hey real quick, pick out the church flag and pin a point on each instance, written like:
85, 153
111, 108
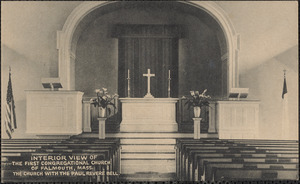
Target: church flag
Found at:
285, 114
10, 115
284, 91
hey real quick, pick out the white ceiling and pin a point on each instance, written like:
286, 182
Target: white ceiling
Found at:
267, 28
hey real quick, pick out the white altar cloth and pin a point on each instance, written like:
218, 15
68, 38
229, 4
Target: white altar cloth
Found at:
148, 115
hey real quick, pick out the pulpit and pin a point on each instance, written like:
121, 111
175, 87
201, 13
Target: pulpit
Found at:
237, 119
54, 112
148, 115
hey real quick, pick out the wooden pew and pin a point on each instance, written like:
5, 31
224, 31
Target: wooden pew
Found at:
101, 154
231, 174
197, 158
182, 159
251, 160
18, 150
111, 147
8, 169
188, 163
257, 149
208, 166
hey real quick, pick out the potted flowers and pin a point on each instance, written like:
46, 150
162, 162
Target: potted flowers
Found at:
102, 100
198, 101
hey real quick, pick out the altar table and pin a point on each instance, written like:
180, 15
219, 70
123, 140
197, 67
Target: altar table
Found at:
148, 115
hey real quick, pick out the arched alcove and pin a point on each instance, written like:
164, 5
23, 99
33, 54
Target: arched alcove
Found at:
89, 11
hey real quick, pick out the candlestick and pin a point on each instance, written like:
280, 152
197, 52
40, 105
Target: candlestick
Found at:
128, 87
169, 85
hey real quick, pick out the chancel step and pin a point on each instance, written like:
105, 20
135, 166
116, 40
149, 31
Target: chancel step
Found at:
147, 147
149, 176
158, 127
147, 155
147, 141
150, 135
158, 166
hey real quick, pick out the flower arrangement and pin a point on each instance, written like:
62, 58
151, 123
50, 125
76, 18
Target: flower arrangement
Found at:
197, 100
103, 99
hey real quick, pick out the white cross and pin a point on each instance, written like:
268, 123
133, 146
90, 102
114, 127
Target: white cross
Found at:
148, 75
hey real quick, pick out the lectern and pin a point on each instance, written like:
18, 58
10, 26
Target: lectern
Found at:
237, 93
51, 83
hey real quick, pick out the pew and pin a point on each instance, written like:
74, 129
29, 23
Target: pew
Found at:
210, 166
237, 158
198, 159
231, 174
22, 150
201, 166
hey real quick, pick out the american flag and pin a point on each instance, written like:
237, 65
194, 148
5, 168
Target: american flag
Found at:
10, 115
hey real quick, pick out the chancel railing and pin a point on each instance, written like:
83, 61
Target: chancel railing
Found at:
230, 119
184, 117
90, 115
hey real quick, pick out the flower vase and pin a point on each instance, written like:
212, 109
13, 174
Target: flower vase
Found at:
101, 112
197, 112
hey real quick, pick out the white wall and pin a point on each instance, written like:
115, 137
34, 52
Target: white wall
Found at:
266, 83
28, 45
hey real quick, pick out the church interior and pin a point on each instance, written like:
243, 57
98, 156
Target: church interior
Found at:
154, 56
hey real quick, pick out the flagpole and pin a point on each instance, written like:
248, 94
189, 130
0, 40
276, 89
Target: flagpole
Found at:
10, 117
285, 117
11, 109
11, 106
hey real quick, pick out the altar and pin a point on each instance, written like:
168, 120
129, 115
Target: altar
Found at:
148, 115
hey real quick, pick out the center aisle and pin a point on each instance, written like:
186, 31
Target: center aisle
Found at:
149, 156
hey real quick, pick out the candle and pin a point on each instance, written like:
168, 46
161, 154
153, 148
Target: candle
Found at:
169, 74
128, 73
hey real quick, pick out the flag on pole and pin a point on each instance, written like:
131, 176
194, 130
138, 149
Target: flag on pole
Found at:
285, 114
10, 115
284, 91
